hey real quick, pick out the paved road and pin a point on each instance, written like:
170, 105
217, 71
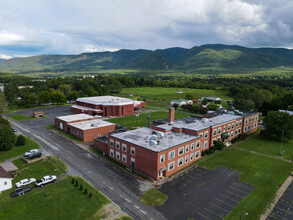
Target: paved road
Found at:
122, 189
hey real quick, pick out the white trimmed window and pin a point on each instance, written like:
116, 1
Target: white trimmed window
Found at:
224, 129
214, 141
117, 155
5, 183
232, 125
117, 144
206, 134
205, 144
111, 142
186, 159
124, 147
235, 131
239, 130
180, 162
111, 153
249, 119
181, 150
245, 121
228, 127
219, 138
232, 134
219, 131
197, 153
191, 157
171, 154
187, 148
248, 127
162, 158
124, 158
240, 122
171, 166
192, 146
236, 123
132, 150
255, 117
255, 125
252, 118
215, 132
245, 129
200, 134
197, 144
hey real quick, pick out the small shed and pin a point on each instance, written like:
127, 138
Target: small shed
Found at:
9, 167
38, 114
5, 180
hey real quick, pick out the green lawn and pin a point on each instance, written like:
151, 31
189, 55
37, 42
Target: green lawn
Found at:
49, 166
267, 146
52, 127
163, 96
19, 150
60, 200
153, 197
20, 117
129, 121
265, 173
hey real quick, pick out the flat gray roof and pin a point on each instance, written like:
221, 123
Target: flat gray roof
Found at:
106, 100
143, 137
69, 118
200, 124
91, 124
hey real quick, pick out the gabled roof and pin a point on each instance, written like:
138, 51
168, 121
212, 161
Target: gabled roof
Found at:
8, 166
4, 174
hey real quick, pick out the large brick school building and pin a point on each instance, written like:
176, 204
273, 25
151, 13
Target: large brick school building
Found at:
163, 149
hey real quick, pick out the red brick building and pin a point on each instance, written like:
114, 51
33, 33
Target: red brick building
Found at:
106, 106
164, 149
83, 126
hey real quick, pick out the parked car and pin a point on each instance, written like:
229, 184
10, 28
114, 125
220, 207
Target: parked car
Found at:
45, 180
31, 151
25, 182
14, 129
34, 155
21, 191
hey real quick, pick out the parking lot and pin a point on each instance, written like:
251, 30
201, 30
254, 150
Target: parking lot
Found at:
284, 207
203, 194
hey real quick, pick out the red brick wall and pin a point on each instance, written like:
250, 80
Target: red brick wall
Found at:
117, 110
100, 145
250, 123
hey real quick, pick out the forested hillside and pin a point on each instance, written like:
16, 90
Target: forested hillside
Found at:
203, 59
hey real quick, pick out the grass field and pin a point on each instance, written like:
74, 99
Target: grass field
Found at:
266, 174
163, 96
19, 150
129, 121
20, 117
60, 200
153, 197
267, 146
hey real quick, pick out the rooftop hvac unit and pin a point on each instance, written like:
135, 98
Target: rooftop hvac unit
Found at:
204, 120
154, 137
160, 134
153, 143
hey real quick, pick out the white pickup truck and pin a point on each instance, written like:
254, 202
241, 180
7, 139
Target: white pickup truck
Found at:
45, 180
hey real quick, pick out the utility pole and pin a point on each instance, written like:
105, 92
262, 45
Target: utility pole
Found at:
136, 115
148, 117
281, 154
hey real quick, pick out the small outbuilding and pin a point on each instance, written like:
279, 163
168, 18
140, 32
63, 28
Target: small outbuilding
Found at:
38, 114
5, 180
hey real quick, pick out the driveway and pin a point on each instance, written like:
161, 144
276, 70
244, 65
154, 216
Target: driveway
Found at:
203, 194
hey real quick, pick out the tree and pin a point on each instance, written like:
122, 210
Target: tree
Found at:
175, 105
65, 89
204, 101
242, 104
44, 97
219, 145
28, 100
189, 96
7, 137
2, 102
20, 140
212, 107
58, 97
276, 122
10, 91
73, 95
195, 108
4, 122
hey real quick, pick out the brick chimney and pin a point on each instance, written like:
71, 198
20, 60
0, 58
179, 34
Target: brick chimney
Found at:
171, 115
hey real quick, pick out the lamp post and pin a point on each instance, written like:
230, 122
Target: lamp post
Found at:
136, 115
148, 117
281, 153
246, 214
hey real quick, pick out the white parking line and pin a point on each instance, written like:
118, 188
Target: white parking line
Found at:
230, 198
234, 194
214, 213
203, 216
224, 203
183, 184
188, 181
204, 172
137, 207
242, 186
110, 187
143, 212
128, 200
219, 207
103, 182
222, 171
238, 190
197, 174
231, 173
194, 178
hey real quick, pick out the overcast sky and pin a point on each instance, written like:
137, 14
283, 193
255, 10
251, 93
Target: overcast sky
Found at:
33, 27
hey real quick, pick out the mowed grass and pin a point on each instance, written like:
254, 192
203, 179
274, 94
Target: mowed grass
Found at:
129, 121
266, 174
153, 197
50, 166
163, 96
20, 117
267, 145
60, 200
19, 150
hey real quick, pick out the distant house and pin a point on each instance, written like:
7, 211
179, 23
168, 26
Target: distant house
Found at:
181, 102
2, 88
130, 94
212, 99
5, 180
38, 114
180, 91
289, 112
23, 87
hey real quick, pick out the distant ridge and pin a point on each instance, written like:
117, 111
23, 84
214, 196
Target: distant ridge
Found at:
211, 58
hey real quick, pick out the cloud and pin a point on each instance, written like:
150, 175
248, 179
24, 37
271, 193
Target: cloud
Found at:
30, 27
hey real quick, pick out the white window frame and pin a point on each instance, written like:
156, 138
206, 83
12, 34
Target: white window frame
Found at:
191, 157
179, 149
240, 122
229, 127
214, 141
124, 147
219, 130
124, 158
117, 154
171, 153
112, 152
205, 145
232, 133
186, 159
192, 147
201, 134
232, 125
132, 149
236, 123
187, 148
206, 134
179, 160
172, 163
162, 158
198, 144
196, 153
215, 132
117, 145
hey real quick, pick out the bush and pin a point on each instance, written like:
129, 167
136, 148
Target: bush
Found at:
20, 140
233, 141
203, 153
73, 180
81, 187
90, 195
7, 137
85, 191
76, 183
219, 145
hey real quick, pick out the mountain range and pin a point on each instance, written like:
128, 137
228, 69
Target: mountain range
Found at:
212, 58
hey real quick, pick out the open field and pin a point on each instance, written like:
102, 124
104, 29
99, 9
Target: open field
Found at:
266, 174
153, 197
20, 117
267, 146
19, 150
163, 96
129, 121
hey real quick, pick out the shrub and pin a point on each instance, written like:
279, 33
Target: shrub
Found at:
85, 191
90, 195
203, 153
219, 145
7, 137
81, 187
20, 140
233, 141
73, 180
76, 183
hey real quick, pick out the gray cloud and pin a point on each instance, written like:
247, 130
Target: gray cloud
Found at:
29, 27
